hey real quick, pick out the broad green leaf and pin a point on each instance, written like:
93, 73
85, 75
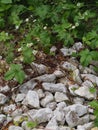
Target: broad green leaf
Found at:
9, 75
20, 76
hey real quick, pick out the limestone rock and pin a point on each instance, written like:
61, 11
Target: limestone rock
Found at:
59, 97
59, 87
32, 99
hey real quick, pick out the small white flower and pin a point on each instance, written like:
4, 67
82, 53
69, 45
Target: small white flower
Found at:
73, 27
20, 49
78, 4
26, 19
34, 20
45, 27
29, 44
17, 27
35, 52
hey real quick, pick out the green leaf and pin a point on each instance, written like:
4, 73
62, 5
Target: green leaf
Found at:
31, 124
6, 1
94, 104
9, 75
20, 76
92, 89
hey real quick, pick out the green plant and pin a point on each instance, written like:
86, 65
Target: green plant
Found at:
92, 89
31, 124
15, 72
94, 105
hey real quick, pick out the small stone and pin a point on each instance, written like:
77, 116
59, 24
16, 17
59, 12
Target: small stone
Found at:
24, 125
18, 119
15, 128
52, 125
10, 108
59, 97
3, 99
77, 108
86, 126
19, 97
66, 128
67, 51
85, 119
59, 87
4, 89
78, 100
61, 106
76, 76
72, 89
2, 118
84, 91
48, 98
30, 85
90, 77
58, 73
78, 46
41, 94
46, 78
68, 66
60, 116
32, 99
51, 105
72, 118
42, 115
40, 68
53, 49
16, 112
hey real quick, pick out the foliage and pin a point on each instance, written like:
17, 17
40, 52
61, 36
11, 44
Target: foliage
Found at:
46, 22
15, 72
94, 104
31, 124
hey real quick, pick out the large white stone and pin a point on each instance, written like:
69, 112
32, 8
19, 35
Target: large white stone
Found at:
59, 97
42, 115
3, 99
48, 98
59, 87
67, 51
68, 66
32, 99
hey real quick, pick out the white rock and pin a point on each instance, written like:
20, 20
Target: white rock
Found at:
77, 108
76, 76
67, 51
15, 128
40, 92
90, 77
30, 85
59, 97
72, 118
58, 73
19, 97
53, 49
72, 89
51, 105
78, 100
40, 68
68, 66
16, 112
42, 115
52, 125
61, 106
84, 91
48, 98
3, 99
86, 126
17, 119
46, 78
59, 87
85, 119
2, 118
78, 46
59, 116
32, 99
8, 109
4, 89
66, 128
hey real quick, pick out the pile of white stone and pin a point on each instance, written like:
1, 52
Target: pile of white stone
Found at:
59, 102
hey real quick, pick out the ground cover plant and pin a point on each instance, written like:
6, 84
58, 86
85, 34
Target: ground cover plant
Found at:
26, 26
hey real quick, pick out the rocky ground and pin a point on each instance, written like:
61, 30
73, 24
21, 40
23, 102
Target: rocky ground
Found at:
56, 96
